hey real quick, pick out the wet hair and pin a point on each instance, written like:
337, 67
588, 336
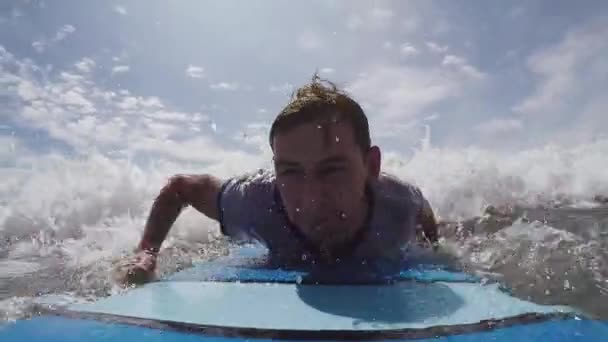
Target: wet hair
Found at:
322, 101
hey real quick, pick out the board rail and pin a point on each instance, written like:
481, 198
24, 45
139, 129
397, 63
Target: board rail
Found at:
301, 335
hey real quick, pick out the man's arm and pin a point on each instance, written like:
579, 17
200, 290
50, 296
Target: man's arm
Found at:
428, 223
199, 191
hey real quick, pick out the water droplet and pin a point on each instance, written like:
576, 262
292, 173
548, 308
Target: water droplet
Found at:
298, 210
343, 215
547, 292
304, 257
566, 284
298, 279
282, 184
319, 126
337, 139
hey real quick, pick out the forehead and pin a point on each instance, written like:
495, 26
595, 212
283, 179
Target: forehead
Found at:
313, 141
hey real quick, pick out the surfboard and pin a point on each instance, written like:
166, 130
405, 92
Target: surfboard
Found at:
240, 298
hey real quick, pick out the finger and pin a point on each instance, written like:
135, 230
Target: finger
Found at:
138, 276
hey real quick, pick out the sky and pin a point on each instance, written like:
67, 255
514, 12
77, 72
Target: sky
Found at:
201, 81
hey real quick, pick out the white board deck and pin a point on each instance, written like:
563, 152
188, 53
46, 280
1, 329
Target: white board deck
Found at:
316, 307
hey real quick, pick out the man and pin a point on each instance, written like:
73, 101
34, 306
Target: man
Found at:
325, 200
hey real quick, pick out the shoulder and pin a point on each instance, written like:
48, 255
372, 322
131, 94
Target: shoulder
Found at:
244, 202
390, 188
249, 190
258, 180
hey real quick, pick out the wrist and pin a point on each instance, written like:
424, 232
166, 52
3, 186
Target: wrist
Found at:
147, 246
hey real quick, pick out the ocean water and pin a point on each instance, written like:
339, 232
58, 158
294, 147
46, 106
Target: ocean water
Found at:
536, 220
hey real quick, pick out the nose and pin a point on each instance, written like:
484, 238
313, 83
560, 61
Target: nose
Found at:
312, 193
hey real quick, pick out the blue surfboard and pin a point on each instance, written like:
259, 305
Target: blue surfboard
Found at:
238, 298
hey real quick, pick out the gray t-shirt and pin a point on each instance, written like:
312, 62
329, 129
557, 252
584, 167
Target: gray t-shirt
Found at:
251, 209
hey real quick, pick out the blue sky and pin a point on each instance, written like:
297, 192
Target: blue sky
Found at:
201, 80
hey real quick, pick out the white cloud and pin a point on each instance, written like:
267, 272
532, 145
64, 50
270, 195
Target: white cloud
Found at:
120, 9
568, 70
310, 40
254, 134
373, 19
393, 92
285, 88
62, 33
229, 86
39, 46
384, 129
74, 99
354, 22
16, 13
432, 117
8, 147
71, 108
517, 12
410, 25
408, 50
120, 69
165, 115
328, 71
461, 63
397, 92
436, 48
382, 14
499, 125
442, 27
135, 103
195, 71
85, 65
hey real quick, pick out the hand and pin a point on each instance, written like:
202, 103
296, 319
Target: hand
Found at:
137, 269
426, 242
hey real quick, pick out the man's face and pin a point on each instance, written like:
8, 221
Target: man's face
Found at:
321, 176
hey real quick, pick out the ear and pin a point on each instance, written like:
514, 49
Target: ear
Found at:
374, 160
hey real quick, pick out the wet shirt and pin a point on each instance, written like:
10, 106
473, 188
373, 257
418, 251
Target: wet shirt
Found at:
251, 210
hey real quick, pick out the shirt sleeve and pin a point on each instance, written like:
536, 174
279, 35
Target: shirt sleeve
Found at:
243, 202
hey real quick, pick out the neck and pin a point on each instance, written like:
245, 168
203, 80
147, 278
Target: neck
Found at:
358, 228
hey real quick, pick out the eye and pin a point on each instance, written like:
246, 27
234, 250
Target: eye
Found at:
289, 172
329, 170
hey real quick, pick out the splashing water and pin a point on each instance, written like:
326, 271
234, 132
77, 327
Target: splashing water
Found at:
534, 219
65, 222
527, 218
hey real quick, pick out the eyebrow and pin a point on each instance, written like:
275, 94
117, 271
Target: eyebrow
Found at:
285, 163
333, 160
329, 160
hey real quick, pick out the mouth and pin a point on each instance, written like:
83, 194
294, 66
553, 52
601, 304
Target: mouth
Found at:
319, 224
337, 218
